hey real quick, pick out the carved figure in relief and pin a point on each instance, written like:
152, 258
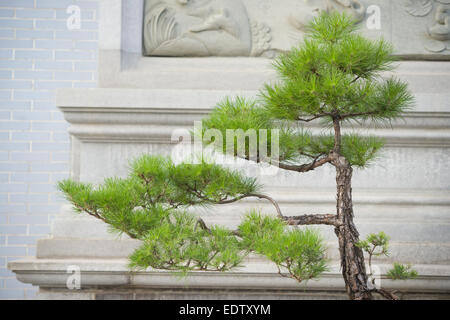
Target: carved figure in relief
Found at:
351, 7
201, 28
439, 29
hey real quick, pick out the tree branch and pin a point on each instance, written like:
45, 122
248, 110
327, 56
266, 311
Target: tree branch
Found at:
386, 293
313, 118
326, 219
255, 195
307, 167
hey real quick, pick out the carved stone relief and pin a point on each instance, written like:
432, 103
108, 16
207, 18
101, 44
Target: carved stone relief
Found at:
438, 30
221, 27
202, 28
199, 28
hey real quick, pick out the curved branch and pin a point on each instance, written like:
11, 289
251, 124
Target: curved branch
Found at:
255, 195
386, 294
309, 166
326, 219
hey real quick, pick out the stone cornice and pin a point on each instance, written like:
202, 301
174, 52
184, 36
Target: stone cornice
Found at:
257, 275
121, 115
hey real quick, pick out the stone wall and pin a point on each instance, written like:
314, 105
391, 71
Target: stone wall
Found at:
38, 54
139, 102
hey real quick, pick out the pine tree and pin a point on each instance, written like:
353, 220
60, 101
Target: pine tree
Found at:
333, 77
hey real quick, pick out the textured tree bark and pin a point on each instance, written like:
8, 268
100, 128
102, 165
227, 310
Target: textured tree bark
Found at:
352, 257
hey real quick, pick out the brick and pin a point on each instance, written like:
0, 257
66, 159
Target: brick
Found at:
34, 115
4, 136
63, 137
40, 230
90, 25
53, 84
34, 95
13, 251
34, 54
43, 188
14, 84
7, 34
92, 84
30, 156
44, 105
3, 220
50, 146
6, 13
4, 156
14, 64
13, 230
16, 24
13, 167
26, 13
85, 65
45, 209
10, 187
30, 177
28, 198
56, 177
6, 54
54, 4
51, 24
53, 65
73, 55
54, 44
52, 167
5, 74
11, 293
13, 209
85, 14
21, 240
16, 105
31, 251
5, 115
76, 35
28, 34
73, 76
30, 136
28, 219
57, 115
4, 177
18, 3
49, 126
60, 156
5, 95
14, 125
41, 75
14, 284
14, 146
16, 43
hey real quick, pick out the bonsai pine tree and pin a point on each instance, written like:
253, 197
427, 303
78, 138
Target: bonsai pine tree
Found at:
334, 78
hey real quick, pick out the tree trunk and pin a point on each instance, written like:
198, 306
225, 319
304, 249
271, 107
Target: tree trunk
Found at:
352, 257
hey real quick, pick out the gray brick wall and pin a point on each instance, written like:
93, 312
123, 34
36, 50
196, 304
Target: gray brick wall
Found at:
38, 54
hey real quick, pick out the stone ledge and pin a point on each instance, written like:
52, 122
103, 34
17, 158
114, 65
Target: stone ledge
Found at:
256, 275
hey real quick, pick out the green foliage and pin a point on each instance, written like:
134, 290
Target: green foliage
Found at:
180, 245
154, 187
333, 75
148, 206
375, 244
402, 272
336, 72
300, 252
378, 245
